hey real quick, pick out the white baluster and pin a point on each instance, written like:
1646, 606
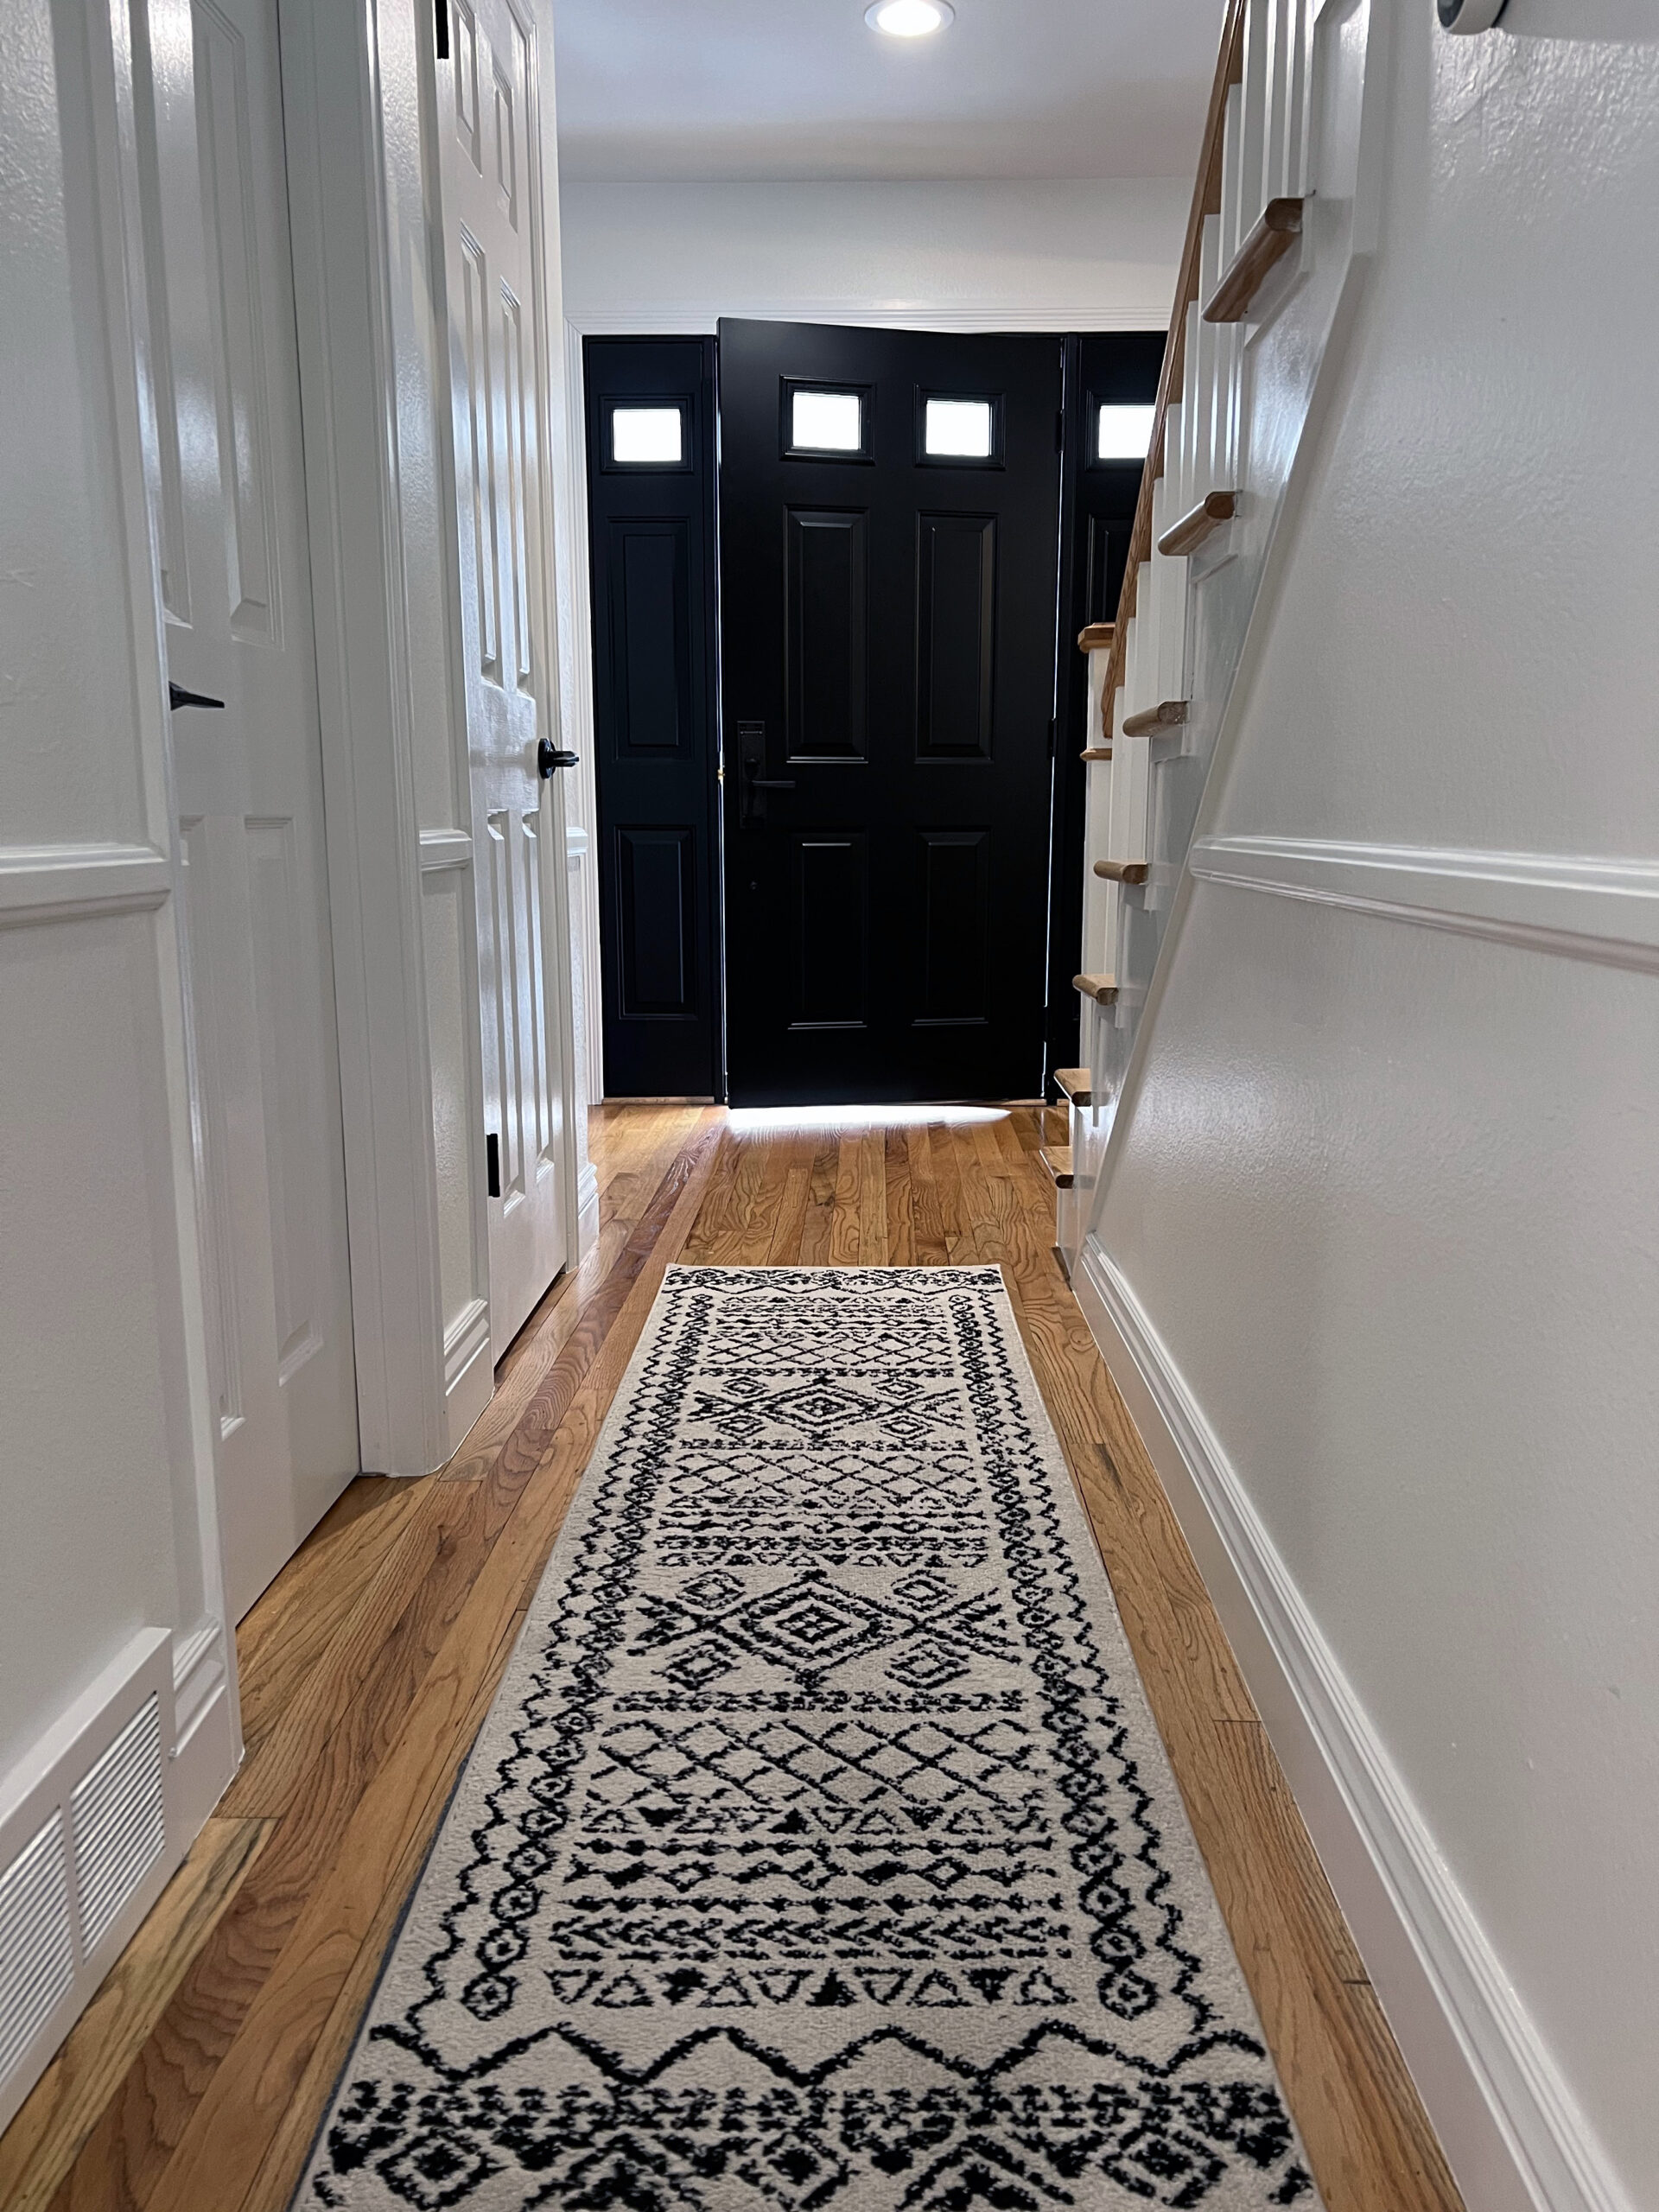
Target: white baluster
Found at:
1246, 162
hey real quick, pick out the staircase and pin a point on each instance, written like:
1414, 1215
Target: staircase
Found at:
1282, 228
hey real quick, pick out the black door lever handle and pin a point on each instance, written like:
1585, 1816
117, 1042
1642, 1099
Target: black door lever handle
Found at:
177, 696
771, 783
550, 757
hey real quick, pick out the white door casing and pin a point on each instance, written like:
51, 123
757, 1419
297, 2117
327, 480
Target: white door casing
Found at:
495, 237
230, 522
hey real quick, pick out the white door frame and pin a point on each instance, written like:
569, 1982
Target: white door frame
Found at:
359, 101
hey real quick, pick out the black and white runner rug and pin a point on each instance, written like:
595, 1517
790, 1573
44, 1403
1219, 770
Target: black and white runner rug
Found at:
819, 1850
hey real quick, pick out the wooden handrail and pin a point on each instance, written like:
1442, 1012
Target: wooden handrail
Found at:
1195, 525
1095, 752
1122, 870
1277, 229
1168, 716
1207, 200
1095, 636
1102, 989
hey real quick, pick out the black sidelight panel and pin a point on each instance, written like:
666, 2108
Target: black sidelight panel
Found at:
656, 923
649, 588
1113, 369
650, 435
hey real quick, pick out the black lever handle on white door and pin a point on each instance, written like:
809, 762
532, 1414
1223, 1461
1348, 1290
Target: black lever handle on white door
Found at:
177, 696
549, 756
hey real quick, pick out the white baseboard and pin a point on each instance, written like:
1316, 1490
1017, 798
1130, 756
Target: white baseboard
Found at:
208, 1745
1516, 2137
205, 1764
586, 1209
468, 1371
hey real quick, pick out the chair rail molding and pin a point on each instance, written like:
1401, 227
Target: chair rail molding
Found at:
1578, 908
67, 882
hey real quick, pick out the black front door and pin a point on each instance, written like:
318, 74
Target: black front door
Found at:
889, 530
650, 441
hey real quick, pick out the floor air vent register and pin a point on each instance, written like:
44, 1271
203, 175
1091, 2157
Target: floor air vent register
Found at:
85, 1847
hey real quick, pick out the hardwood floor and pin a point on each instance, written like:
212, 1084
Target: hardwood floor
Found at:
197, 2077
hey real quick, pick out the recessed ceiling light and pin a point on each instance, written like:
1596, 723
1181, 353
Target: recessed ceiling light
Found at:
909, 18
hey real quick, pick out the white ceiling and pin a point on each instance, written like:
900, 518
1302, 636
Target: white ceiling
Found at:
662, 89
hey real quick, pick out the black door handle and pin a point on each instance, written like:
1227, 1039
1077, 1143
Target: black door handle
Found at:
550, 757
177, 696
771, 783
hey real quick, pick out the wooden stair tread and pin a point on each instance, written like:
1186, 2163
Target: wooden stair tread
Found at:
1102, 989
1057, 1158
1097, 636
1122, 870
1078, 1083
1095, 752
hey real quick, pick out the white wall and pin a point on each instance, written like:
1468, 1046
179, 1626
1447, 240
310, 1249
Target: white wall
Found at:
1063, 257
1385, 1181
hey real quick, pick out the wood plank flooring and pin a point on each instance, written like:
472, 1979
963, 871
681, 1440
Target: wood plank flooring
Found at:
196, 2079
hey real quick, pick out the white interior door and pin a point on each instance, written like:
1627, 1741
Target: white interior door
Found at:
490, 132
229, 498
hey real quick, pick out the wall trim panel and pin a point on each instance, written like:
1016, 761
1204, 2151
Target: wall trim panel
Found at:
1516, 2137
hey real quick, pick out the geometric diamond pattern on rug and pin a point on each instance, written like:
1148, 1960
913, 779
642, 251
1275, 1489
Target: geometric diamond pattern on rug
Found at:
818, 1853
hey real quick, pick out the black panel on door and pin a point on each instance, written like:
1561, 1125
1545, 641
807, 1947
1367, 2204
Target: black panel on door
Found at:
828, 676
831, 933
953, 930
955, 610
650, 502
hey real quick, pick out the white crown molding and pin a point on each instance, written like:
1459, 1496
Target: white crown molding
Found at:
1514, 2133
1578, 908
697, 318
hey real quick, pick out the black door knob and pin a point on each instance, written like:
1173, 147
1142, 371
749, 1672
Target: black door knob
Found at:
177, 696
550, 757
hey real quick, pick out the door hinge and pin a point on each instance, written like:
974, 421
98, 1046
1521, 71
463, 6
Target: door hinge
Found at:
492, 1162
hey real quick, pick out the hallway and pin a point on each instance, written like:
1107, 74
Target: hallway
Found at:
196, 2078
